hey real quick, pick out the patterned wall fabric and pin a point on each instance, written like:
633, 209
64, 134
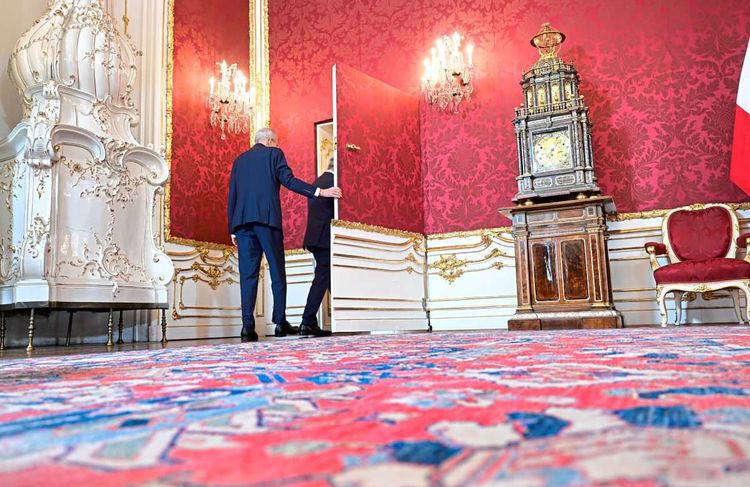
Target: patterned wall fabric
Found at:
201, 161
660, 78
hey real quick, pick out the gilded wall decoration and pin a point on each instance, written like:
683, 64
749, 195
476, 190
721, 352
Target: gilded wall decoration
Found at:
211, 269
449, 267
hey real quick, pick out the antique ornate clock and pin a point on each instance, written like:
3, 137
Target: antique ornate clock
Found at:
553, 132
560, 223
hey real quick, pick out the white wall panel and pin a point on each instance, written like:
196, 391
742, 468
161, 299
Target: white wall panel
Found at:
378, 280
472, 280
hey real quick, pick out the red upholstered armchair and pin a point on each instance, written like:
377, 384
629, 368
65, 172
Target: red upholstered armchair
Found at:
700, 242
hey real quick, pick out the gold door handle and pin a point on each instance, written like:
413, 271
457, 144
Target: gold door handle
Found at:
353, 147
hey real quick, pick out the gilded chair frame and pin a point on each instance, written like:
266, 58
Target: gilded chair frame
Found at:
678, 289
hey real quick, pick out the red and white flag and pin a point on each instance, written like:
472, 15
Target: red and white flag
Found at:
739, 171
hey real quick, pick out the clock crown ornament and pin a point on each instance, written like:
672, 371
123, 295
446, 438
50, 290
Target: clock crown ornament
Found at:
553, 131
548, 41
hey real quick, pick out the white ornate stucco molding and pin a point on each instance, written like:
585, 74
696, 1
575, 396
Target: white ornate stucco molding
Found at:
78, 193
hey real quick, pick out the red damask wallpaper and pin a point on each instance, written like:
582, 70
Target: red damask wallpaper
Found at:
201, 161
382, 180
660, 77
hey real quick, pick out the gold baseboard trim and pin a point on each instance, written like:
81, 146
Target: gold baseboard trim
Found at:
619, 217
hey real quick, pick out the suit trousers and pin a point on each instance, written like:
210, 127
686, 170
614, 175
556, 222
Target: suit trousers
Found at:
321, 283
254, 240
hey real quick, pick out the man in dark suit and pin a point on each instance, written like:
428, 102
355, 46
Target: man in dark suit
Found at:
254, 214
318, 241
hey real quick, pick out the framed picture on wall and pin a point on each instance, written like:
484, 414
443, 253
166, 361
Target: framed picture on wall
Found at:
323, 145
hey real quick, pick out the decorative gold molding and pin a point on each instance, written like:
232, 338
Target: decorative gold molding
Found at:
464, 308
497, 232
633, 289
293, 252
351, 298
214, 268
473, 298
409, 258
619, 217
483, 244
618, 259
415, 246
449, 267
377, 308
391, 232
408, 269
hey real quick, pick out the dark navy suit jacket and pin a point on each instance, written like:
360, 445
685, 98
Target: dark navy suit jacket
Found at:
257, 175
319, 216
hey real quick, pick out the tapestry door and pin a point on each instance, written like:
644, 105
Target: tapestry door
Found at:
377, 248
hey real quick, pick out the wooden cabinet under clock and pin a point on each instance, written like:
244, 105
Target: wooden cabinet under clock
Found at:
562, 265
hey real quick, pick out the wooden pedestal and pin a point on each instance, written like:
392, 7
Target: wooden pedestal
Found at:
562, 265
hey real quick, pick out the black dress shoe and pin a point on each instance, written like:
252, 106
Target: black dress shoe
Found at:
248, 335
313, 330
284, 329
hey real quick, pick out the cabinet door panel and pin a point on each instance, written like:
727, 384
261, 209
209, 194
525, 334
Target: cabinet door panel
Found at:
575, 274
545, 271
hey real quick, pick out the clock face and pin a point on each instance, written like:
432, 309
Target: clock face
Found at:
552, 152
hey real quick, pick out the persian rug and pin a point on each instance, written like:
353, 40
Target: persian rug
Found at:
641, 407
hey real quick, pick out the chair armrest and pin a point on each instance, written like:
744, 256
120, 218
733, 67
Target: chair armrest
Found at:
743, 240
654, 249
657, 248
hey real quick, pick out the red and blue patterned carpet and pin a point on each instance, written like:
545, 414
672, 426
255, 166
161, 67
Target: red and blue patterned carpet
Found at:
646, 407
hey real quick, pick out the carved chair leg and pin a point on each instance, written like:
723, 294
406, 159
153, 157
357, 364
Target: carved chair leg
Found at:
678, 306
164, 326
2, 330
70, 328
110, 325
735, 293
660, 294
119, 330
30, 346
